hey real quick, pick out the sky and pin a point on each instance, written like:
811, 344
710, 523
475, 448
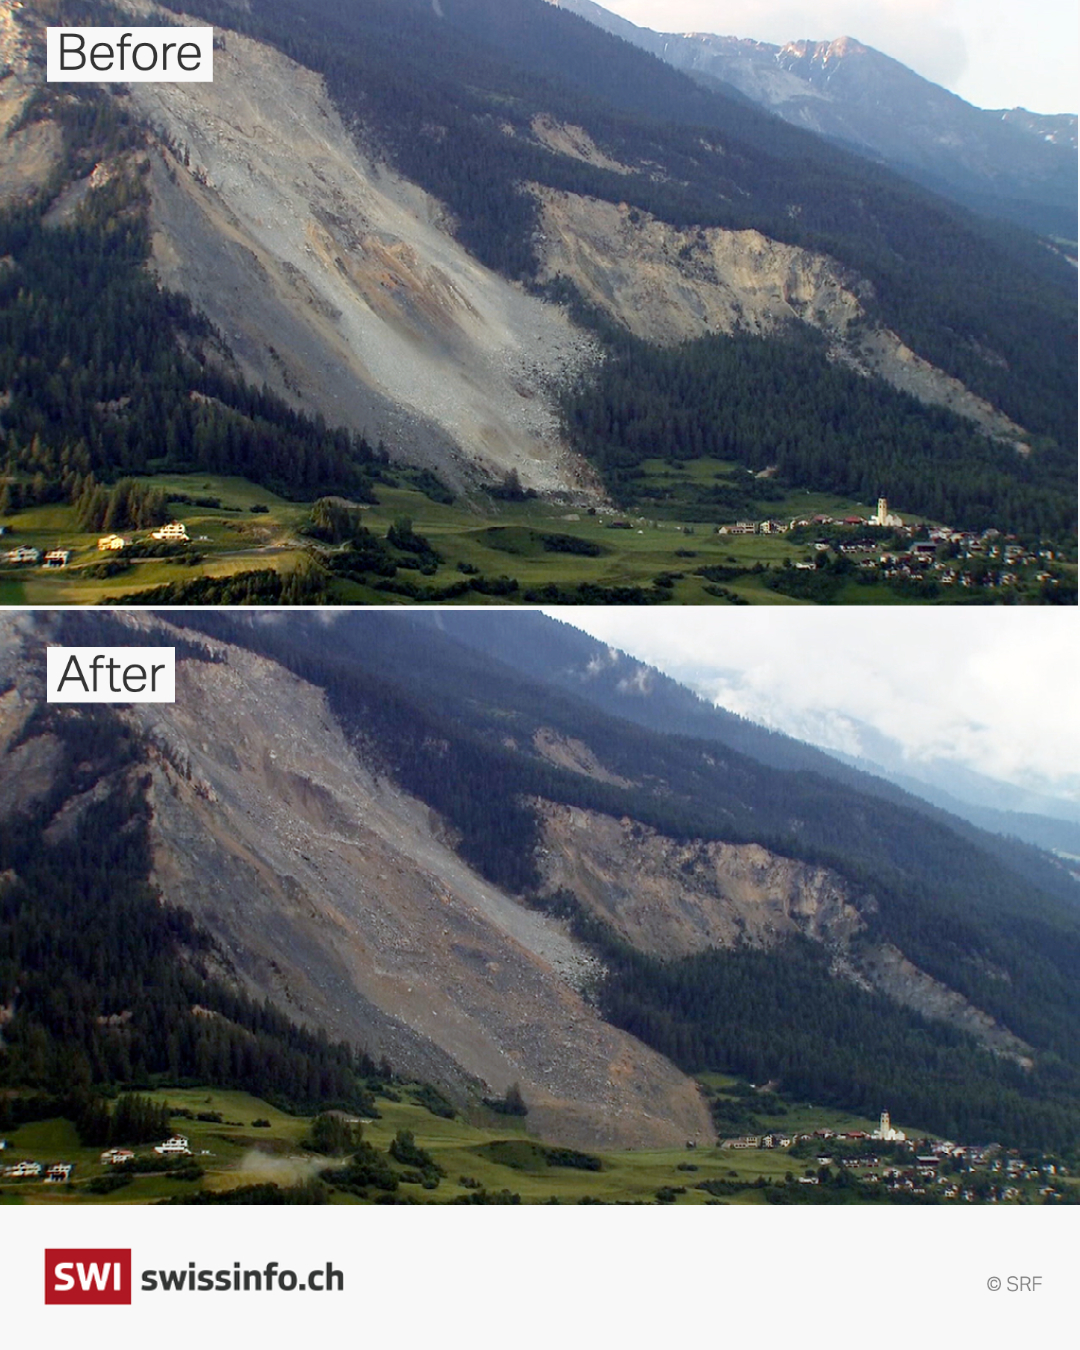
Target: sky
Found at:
995, 689
994, 53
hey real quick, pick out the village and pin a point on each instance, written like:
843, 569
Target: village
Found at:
835, 551
918, 552
939, 1169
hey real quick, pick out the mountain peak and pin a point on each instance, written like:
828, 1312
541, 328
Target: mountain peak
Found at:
829, 48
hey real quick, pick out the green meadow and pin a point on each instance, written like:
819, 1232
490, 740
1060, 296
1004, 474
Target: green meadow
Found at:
474, 537
244, 1141
495, 1152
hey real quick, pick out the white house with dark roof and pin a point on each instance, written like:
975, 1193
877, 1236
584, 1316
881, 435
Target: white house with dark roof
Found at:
24, 1169
177, 1144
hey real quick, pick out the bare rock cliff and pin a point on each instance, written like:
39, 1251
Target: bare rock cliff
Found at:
674, 898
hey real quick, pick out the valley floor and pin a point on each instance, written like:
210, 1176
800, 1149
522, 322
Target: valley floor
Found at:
499, 1163
532, 551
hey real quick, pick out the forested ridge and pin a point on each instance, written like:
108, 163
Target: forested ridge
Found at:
782, 1016
556, 652
782, 405
455, 728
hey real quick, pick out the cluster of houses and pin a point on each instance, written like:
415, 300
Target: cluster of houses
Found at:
882, 519
1004, 554
23, 555
933, 1165
886, 1131
30, 1170
175, 532
175, 1146
761, 527
36, 1171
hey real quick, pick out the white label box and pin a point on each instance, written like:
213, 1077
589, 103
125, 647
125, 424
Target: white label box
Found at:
134, 55
110, 674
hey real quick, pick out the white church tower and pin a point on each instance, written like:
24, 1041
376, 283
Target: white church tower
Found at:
883, 518
885, 1131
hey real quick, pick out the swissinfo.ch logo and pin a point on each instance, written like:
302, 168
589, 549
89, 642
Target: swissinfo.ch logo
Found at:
87, 1275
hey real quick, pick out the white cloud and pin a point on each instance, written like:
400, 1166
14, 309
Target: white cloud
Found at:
993, 689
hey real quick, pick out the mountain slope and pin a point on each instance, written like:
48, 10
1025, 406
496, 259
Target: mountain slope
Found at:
336, 895
337, 285
406, 843
937, 286
621, 686
330, 277
929, 919
371, 212
1011, 164
729, 796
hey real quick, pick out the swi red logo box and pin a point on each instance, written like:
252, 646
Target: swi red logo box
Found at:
88, 1275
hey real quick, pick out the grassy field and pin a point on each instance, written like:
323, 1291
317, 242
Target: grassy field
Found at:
496, 539
796, 1118
488, 1152
232, 538
498, 1155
